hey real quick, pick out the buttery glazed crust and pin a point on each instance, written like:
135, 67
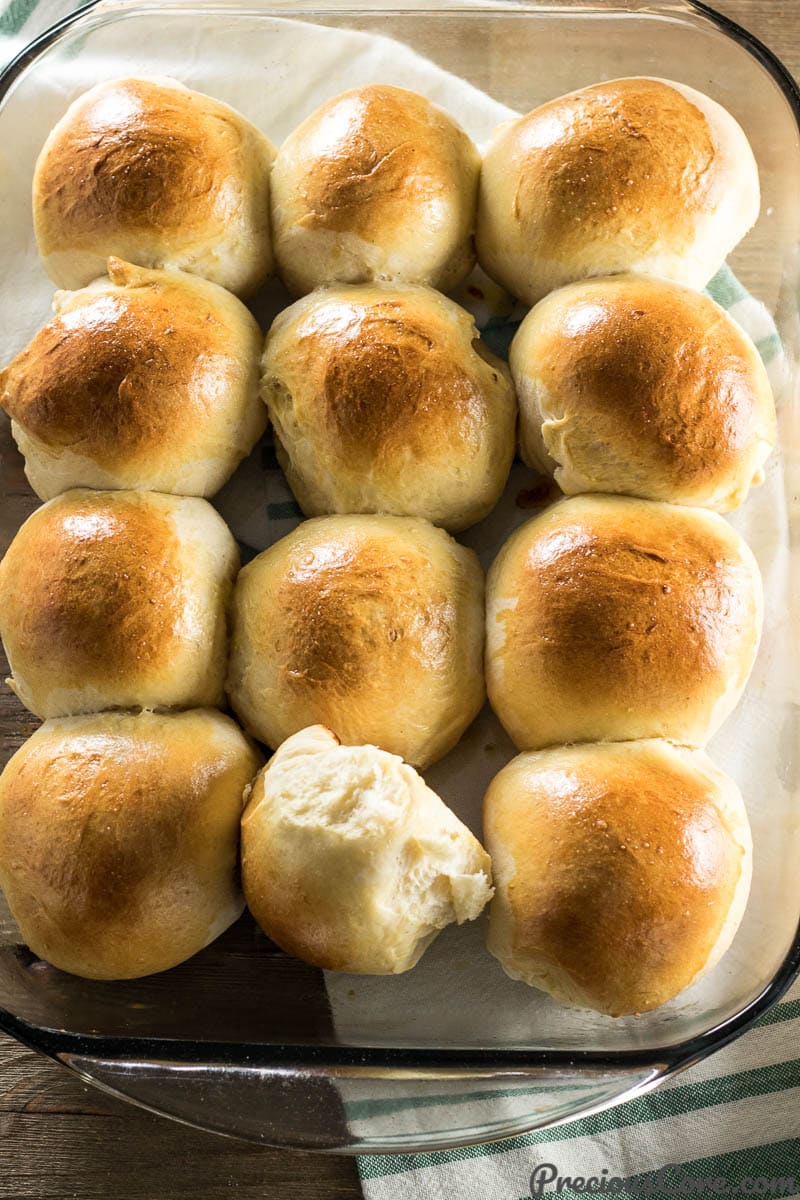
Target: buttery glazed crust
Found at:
159, 175
639, 386
612, 618
146, 380
117, 600
377, 183
350, 862
383, 400
621, 871
119, 838
635, 174
371, 626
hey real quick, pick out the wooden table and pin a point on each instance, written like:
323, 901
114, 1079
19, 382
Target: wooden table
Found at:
60, 1139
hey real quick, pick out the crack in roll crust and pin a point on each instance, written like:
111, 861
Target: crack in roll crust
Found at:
581, 186
640, 386
159, 175
148, 380
612, 618
622, 871
377, 183
119, 838
117, 600
381, 402
371, 625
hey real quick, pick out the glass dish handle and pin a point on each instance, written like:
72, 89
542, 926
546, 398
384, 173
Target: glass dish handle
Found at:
361, 1109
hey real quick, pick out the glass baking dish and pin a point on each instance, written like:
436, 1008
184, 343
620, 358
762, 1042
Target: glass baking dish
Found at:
242, 1039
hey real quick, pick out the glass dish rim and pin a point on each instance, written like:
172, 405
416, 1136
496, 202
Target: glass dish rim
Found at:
665, 1060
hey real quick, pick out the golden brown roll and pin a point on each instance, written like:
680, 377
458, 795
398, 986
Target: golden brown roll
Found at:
621, 871
638, 174
377, 183
117, 600
119, 838
371, 625
635, 385
383, 399
158, 175
615, 619
147, 379
351, 862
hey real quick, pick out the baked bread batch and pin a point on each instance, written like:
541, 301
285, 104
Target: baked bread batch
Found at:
619, 625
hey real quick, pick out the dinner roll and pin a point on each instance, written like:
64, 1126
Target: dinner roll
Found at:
378, 183
622, 871
371, 625
383, 399
117, 600
119, 838
632, 175
635, 385
351, 862
611, 618
147, 379
161, 176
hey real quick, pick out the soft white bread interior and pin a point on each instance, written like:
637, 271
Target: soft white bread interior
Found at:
119, 838
638, 386
369, 625
377, 183
643, 175
610, 618
383, 399
621, 871
158, 175
145, 379
117, 600
351, 862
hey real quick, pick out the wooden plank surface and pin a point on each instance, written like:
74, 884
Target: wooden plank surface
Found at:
60, 1139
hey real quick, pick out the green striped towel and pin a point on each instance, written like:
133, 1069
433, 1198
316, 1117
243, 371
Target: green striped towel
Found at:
735, 1116
22, 20
730, 1124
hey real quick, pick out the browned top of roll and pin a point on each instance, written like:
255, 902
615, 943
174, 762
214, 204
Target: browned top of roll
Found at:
142, 775
652, 603
118, 838
659, 372
96, 579
384, 353
616, 867
631, 153
371, 624
141, 155
386, 374
128, 374
343, 613
375, 154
